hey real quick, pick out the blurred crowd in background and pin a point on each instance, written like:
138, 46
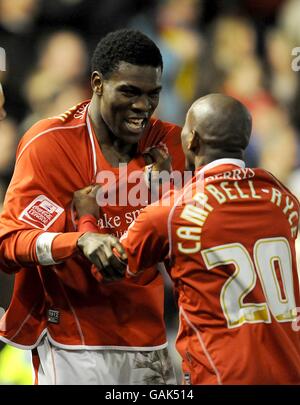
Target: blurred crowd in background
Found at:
239, 47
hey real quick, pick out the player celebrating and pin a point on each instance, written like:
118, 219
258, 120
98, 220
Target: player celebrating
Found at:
230, 238
82, 331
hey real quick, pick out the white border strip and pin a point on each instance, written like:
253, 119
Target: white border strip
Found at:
43, 248
89, 127
124, 348
24, 347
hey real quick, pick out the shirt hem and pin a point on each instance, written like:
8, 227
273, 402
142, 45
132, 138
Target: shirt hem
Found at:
81, 347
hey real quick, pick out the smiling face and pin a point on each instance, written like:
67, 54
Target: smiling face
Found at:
127, 99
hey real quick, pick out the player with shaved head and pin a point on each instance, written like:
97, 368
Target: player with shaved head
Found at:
82, 331
229, 237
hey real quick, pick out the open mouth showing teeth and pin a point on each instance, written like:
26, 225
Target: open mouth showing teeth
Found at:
135, 124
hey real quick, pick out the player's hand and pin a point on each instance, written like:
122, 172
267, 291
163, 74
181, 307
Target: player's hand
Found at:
85, 201
158, 157
99, 249
157, 172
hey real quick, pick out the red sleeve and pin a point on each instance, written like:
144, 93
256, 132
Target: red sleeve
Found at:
88, 223
146, 241
36, 186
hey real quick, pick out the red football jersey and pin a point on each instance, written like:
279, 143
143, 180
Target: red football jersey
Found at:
230, 237
56, 157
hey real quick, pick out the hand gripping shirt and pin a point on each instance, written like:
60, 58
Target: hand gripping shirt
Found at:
54, 290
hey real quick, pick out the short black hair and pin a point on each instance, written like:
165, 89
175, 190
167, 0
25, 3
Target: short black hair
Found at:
125, 45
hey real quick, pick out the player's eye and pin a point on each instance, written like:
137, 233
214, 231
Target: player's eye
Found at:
129, 92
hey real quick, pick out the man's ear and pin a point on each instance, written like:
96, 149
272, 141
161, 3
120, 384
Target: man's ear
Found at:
194, 143
97, 83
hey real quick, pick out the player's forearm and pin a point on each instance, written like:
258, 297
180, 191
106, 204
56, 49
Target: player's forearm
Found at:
23, 248
64, 245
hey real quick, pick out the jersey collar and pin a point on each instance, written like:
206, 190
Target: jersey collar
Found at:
225, 161
219, 162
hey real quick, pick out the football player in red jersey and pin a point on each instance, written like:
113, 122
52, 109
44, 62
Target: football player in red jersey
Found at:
82, 331
229, 237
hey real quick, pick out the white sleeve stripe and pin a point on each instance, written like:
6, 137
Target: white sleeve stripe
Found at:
90, 131
43, 248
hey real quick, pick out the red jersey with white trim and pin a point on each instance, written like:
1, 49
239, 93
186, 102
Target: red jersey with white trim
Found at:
54, 158
232, 250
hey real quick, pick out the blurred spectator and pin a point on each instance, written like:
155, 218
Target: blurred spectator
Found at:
245, 81
48, 98
174, 28
8, 144
18, 35
233, 40
18, 16
7, 356
59, 80
110, 15
288, 20
64, 57
71, 94
40, 90
58, 14
278, 142
274, 138
264, 10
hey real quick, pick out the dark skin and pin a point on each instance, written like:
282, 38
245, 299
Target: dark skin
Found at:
120, 111
130, 93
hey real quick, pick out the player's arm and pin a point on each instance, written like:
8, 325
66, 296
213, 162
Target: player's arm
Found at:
98, 248
33, 217
157, 172
87, 209
33, 220
146, 241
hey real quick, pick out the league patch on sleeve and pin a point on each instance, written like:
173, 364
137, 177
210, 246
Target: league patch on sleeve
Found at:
41, 213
